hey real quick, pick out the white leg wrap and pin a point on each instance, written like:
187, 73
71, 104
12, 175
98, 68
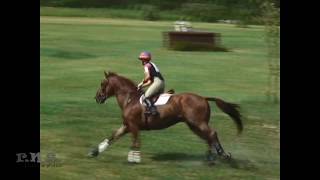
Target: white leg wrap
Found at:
103, 145
134, 156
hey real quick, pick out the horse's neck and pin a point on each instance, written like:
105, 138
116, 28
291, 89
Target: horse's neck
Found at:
124, 98
121, 100
124, 94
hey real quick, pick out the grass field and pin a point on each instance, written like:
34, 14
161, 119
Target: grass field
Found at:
75, 52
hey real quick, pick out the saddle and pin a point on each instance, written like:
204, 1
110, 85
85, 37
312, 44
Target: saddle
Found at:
160, 99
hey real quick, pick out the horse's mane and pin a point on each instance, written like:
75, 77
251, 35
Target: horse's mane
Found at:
123, 80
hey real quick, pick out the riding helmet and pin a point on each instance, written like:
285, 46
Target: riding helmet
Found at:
145, 56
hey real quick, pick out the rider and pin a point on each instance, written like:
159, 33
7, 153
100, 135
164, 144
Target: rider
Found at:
153, 79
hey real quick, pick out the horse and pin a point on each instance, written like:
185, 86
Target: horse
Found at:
190, 108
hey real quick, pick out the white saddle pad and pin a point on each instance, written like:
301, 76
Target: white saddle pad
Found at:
163, 99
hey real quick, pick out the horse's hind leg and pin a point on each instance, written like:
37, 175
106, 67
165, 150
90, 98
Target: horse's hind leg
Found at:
210, 135
205, 133
216, 144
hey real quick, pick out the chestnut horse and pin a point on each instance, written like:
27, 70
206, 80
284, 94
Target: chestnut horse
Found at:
192, 109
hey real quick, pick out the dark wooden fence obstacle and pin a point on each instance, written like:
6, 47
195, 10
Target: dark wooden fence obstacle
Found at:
191, 40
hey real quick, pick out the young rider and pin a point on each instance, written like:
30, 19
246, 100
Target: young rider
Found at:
153, 80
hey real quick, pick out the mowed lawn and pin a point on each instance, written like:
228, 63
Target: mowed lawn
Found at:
75, 52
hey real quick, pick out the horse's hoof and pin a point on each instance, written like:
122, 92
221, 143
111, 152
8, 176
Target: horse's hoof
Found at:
93, 153
227, 156
134, 162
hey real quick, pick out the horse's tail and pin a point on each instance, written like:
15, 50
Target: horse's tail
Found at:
229, 108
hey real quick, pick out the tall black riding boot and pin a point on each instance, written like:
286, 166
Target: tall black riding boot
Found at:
150, 109
148, 105
153, 110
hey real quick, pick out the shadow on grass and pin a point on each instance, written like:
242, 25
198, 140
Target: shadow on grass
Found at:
64, 54
243, 164
233, 163
177, 157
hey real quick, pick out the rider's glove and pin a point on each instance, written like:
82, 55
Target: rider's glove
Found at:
139, 86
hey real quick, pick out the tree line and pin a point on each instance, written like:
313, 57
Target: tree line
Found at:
195, 10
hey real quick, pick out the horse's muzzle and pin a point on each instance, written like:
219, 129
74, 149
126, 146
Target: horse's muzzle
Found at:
100, 99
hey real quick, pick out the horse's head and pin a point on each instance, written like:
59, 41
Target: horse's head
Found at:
105, 90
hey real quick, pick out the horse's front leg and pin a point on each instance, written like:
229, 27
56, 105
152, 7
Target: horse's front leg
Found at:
108, 141
134, 154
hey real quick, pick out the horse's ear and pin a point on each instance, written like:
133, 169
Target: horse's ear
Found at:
110, 73
106, 74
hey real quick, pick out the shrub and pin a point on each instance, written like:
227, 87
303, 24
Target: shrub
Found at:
204, 12
150, 13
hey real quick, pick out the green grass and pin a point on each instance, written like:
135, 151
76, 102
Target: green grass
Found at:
74, 52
